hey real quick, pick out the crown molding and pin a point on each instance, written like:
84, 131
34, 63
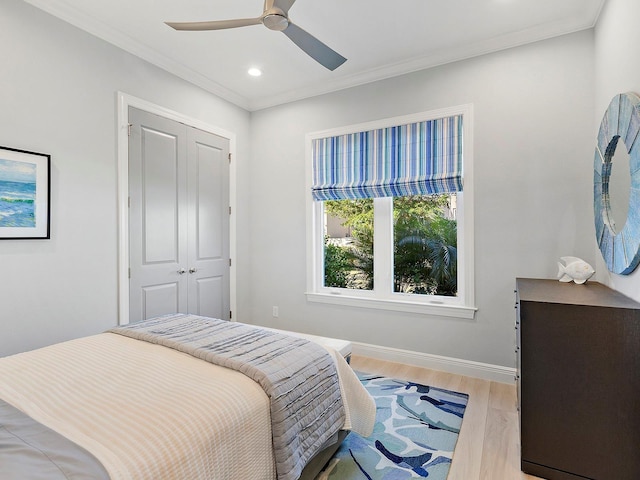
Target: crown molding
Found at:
493, 45
63, 11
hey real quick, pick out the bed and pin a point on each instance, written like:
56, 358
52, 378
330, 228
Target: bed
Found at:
121, 406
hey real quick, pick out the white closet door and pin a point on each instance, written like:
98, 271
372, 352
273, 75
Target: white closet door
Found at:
208, 199
178, 219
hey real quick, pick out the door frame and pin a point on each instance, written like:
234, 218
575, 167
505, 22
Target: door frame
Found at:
124, 101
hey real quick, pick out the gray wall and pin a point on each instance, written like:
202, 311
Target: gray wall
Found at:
58, 95
533, 130
617, 71
533, 150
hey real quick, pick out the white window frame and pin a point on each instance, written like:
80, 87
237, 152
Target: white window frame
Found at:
382, 296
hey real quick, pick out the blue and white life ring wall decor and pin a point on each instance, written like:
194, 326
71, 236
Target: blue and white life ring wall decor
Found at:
620, 128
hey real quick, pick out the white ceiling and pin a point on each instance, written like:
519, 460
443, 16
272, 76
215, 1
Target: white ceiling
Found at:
380, 38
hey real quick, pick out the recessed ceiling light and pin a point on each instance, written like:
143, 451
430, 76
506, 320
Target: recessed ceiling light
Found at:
255, 72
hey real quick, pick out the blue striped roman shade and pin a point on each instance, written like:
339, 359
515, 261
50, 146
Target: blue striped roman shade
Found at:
415, 159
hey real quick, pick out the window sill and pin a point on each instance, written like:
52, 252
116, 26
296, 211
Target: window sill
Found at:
441, 310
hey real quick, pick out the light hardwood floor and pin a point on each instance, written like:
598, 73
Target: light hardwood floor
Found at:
488, 446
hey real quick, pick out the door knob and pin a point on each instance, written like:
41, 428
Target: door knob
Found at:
182, 271
193, 270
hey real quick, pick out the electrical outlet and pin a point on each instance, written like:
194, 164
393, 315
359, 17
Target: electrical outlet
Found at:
274, 312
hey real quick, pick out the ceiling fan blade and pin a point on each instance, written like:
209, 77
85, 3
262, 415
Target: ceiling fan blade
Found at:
314, 47
284, 5
214, 25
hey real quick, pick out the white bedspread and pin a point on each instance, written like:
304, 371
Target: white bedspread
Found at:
150, 412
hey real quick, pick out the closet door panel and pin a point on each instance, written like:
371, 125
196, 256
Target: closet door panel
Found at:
160, 197
209, 291
209, 202
160, 299
208, 172
157, 216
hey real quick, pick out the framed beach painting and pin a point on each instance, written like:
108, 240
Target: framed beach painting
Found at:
24, 194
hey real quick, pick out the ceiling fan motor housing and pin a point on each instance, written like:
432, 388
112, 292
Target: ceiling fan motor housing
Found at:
275, 21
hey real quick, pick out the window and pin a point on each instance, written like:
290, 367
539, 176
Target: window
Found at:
389, 227
348, 244
425, 241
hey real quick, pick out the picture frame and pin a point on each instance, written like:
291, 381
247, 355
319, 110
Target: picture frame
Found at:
25, 194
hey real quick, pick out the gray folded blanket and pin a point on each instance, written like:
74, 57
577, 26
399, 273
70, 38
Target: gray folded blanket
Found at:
298, 376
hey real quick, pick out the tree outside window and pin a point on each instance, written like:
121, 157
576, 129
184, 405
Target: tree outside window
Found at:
424, 246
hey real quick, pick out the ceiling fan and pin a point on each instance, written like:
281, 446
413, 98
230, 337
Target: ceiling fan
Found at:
275, 17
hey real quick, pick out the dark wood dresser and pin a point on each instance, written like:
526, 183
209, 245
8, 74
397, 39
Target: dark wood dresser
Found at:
578, 349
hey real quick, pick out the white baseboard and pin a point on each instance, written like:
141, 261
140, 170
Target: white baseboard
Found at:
457, 366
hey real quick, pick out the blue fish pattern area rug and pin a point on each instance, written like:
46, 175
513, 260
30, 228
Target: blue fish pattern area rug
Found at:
414, 436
